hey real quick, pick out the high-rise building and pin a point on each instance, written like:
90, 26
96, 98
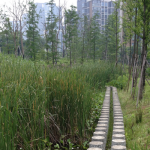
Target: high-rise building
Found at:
89, 8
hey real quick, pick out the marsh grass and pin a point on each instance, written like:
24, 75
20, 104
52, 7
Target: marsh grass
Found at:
41, 105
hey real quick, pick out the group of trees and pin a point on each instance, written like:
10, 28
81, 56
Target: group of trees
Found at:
82, 38
136, 19
19, 32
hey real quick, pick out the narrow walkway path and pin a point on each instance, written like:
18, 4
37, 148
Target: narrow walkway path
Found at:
118, 137
99, 138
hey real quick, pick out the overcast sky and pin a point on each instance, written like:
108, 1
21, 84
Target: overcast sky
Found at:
69, 2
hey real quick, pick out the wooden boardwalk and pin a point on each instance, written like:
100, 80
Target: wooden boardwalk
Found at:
99, 138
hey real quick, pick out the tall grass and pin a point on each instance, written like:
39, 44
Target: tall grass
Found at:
40, 105
98, 74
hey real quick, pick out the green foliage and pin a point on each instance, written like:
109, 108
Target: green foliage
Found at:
139, 116
99, 74
82, 39
129, 122
148, 55
120, 82
6, 39
96, 106
109, 37
71, 23
94, 38
33, 37
39, 103
148, 72
51, 34
34, 94
136, 120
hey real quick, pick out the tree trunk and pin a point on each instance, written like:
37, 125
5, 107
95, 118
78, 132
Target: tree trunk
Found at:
53, 59
144, 50
7, 43
94, 48
129, 66
124, 56
70, 57
83, 49
70, 51
116, 36
140, 91
134, 59
136, 68
106, 50
21, 38
14, 39
47, 55
63, 50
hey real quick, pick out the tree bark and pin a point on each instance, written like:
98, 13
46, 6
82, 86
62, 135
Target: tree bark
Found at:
134, 59
140, 91
143, 55
129, 66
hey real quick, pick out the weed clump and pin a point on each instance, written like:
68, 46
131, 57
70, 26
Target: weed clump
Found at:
138, 116
120, 82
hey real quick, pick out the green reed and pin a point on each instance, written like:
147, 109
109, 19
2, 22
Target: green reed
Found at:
39, 104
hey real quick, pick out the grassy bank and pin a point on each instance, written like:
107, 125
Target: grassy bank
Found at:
43, 107
136, 120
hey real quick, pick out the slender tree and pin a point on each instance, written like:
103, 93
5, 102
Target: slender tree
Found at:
32, 31
94, 36
16, 12
71, 23
6, 37
51, 33
139, 12
117, 6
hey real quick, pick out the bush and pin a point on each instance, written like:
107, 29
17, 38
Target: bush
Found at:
148, 72
120, 82
139, 114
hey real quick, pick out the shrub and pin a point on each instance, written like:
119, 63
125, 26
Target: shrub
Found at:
148, 72
120, 82
139, 115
